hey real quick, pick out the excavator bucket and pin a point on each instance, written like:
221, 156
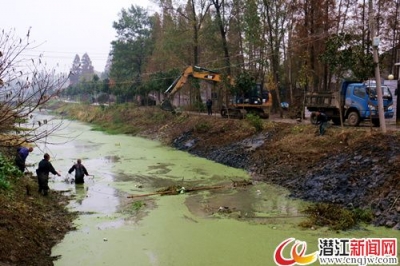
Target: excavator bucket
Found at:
166, 105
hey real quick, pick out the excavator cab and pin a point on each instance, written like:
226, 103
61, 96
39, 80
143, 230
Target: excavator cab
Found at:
256, 96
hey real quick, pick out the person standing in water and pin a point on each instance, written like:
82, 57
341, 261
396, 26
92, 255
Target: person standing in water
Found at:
80, 172
43, 171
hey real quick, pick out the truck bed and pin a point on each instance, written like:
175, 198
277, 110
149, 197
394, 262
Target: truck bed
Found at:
322, 100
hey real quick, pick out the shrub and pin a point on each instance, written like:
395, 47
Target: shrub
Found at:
7, 170
255, 121
103, 98
335, 216
4, 184
202, 127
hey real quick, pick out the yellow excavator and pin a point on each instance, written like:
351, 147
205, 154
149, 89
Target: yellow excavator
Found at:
257, 101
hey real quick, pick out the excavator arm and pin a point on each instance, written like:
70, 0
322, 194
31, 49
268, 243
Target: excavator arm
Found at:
257, 101
177, 85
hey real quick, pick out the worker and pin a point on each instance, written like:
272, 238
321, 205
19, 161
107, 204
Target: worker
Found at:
322, 121
80, 172
43, 171
209, 106
20, 158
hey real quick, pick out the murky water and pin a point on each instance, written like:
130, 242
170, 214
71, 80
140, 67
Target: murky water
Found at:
217, 227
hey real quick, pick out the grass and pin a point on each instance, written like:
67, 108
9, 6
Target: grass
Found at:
137, 205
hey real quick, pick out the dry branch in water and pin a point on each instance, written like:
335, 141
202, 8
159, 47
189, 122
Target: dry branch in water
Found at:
175, 190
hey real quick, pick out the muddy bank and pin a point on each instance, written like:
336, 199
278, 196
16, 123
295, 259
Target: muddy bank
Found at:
361, 175
237, 154
31, 224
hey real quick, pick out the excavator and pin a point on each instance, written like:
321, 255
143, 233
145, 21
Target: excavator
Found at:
257, 101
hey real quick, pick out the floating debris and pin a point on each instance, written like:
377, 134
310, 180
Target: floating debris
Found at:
241, 183
224, 209
175, 190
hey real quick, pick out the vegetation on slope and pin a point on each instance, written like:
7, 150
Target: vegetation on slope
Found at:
30, 224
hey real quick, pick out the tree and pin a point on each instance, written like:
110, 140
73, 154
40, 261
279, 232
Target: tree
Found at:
130, 51
25, 86
283, 43
191, 16
87, 69
76, 71
244, 83
222, 17
222, 26
275, 19
345, 57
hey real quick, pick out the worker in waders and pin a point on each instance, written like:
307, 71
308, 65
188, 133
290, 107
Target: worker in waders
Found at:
80, 172
43, 171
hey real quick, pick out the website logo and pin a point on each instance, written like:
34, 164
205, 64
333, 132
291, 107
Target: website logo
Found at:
297, 254
338, 251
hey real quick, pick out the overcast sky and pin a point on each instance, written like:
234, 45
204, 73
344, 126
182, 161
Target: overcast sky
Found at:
64, 28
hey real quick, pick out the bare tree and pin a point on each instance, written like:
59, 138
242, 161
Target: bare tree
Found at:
25, 86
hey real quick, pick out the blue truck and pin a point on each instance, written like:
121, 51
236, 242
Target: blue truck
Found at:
354, 102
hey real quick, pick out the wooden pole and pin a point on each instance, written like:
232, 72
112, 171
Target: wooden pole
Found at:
375, 45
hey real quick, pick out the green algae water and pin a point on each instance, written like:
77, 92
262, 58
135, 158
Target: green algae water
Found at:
216, 227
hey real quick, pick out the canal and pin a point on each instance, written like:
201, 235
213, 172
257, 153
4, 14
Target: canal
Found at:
117, 225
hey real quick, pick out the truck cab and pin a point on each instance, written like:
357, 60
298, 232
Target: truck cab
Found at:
355, 102
361, 102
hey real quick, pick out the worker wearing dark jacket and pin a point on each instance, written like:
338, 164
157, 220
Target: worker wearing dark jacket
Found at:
209, 106
80, 172
322, 121
43, 171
